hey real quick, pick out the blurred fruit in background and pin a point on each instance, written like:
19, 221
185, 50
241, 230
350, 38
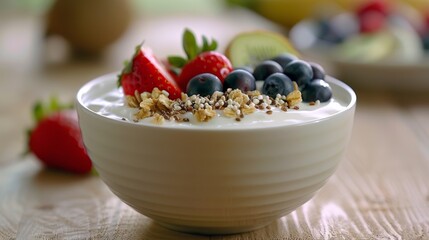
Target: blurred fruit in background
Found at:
89, 26
371, 31
289, 12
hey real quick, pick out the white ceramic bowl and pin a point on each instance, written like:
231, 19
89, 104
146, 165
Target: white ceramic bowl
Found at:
215, 181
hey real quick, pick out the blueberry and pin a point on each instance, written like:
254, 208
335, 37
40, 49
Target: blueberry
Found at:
338, 28
299, 71
245, 68
277, 83
328, 32
284, 59
316, 90
318, 71
240, 79
265, 69
425, 40
204, 84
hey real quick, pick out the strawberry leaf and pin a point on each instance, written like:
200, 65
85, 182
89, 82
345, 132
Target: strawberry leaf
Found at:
190, 44
213, 45
206, 46
192, 49
177, 61
40, 110
176, 71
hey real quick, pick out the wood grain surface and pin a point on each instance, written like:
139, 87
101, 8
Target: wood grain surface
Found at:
380, 190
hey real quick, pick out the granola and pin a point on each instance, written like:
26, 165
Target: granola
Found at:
232, 104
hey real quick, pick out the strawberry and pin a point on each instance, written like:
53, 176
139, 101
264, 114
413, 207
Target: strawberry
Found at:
379, 6
56, 139
372, 22
373, 15
206, 62
200, 59
144, 73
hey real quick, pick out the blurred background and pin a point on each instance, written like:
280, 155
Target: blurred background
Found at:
52, 47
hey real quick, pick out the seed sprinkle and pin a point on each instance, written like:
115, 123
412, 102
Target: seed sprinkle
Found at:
232, 103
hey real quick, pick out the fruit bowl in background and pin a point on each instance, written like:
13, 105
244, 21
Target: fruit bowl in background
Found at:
388, 49
214, 181
412, 77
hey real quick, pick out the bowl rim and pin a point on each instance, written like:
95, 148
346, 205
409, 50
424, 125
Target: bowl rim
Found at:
107, 77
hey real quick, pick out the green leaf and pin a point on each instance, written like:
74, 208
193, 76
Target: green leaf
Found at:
177, 61
53, 104
41, 110
175, 70
94, 172
206, 46
213, 45
191, 48
127, 66
190, 44
38, 112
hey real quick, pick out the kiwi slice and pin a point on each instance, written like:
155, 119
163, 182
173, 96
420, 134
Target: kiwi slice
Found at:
251, 48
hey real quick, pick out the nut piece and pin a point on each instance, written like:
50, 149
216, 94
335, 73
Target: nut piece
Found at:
147, 104
132, 101
156, 93
294, 97
143, 113
204, 115
158, 119
238, 97
230, 112
145, 95
164, 103
246, 109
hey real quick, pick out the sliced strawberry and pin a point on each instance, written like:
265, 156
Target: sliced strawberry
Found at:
206, 62
144, 73
57, 141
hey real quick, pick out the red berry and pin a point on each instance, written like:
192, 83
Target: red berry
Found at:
146, 73
371, 22
57, 142
426, 19
206, 62
380, 6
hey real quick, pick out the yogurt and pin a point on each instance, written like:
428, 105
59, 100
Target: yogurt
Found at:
108, 100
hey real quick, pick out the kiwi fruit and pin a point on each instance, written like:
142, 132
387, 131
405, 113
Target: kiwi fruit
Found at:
251, 48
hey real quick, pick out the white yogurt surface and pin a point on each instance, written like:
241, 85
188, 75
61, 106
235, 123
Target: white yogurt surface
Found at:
108, 100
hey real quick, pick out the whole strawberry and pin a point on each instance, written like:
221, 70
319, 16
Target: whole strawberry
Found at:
373, 15
56, 139
200, 59
144, 73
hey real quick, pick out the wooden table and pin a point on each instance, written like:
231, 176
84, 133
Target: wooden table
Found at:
380, 190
